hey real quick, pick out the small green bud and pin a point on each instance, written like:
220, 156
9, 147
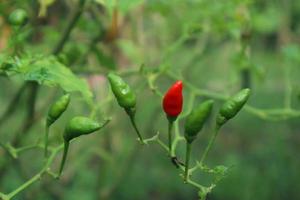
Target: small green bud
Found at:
232, 106
57, 109
18, 17
196, 119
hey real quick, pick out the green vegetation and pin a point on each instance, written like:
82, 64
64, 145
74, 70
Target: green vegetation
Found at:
68, 58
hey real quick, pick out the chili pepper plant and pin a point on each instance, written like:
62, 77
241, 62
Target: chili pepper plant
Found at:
97, 96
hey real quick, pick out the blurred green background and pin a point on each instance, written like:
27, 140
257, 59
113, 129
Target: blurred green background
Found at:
215, 47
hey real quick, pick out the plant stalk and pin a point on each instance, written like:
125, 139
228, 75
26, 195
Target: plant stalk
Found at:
170, 127
132, 120
187, 161
66, 148
209, 145
46, 140
69, 28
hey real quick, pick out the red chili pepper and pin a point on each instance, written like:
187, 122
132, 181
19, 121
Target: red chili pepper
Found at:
172, 101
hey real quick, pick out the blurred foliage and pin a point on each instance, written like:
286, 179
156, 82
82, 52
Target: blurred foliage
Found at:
215, 47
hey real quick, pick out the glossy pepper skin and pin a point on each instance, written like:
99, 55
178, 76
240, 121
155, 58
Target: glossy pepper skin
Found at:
80, 126
57, 109
173, 100
232, 106
76, 127
196, 119
54, 112
18, 17
125, 96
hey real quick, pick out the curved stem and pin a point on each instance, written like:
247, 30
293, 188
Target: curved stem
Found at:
209, 145
35, 178
187, 161
46, 139
66, 148
24, 186
4, 196
28, 147
131, 116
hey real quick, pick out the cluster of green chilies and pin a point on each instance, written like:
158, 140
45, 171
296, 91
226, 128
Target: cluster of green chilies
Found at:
76, 127
172, 104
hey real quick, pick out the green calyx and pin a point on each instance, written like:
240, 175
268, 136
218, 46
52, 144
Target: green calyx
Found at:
196, 119
232, 106
80, 126
122, 91
171, 119
58, 108
18, 17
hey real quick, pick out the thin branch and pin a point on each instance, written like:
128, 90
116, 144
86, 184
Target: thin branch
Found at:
35, 178
66, 34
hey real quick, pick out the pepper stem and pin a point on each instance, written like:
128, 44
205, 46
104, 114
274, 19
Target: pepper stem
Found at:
187, 161
66, 148
46, 139
170, 126
211, 142
171, 121
132, 119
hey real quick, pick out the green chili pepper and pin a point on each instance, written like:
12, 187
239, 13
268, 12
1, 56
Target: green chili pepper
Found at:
18, 17
196, 120
126, 98
123, 93
55, 111
193, 126
80, 126
229, 109
76, 127
232, 106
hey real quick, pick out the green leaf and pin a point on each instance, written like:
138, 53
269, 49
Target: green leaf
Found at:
47, 70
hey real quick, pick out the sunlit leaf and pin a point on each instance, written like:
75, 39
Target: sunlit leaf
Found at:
46, 70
